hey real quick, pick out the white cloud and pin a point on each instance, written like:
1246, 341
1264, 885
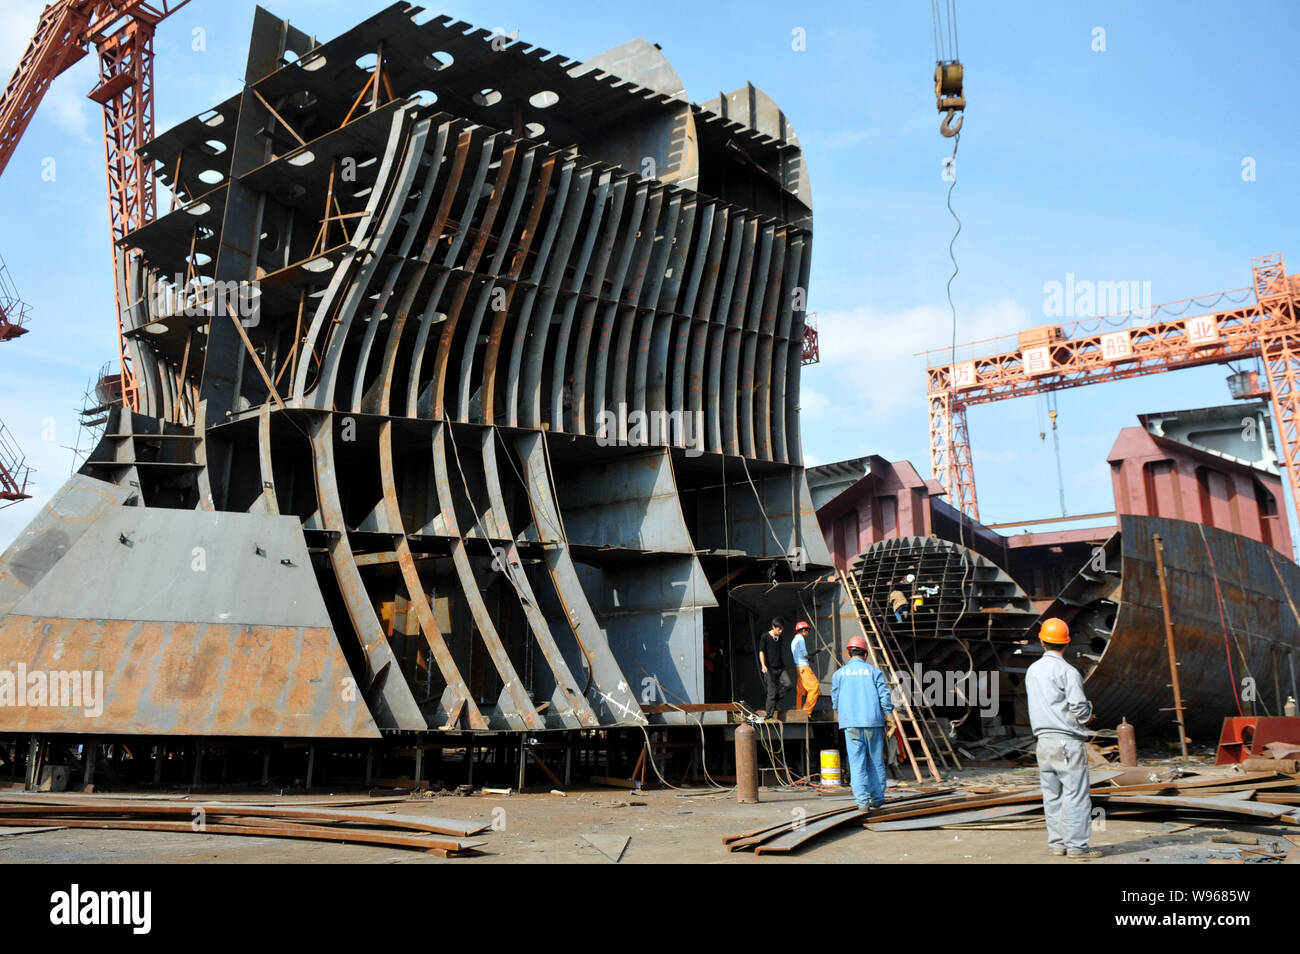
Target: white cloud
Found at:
849, 137
811, 403
869, 355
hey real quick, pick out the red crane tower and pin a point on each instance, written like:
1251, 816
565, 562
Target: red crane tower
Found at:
1266, 325
121, 32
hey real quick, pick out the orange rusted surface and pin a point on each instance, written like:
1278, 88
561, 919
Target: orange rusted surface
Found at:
148, 678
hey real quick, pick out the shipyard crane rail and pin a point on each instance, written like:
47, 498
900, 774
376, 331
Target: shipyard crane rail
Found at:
121, 32
1265, 324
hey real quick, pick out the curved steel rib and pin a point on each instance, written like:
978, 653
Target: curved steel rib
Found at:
386, 691
514, 709
567, 702
613, 696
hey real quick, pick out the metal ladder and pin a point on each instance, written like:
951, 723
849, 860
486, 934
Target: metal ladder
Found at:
918, 729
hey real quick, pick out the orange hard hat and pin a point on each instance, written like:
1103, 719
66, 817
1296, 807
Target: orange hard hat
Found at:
857, 642
1054, 631
800, 626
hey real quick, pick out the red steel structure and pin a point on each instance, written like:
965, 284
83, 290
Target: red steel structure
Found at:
121, 32
812, 352
13, 310
14, 471
1164, 338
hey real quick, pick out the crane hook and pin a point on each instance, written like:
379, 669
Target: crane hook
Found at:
949, 96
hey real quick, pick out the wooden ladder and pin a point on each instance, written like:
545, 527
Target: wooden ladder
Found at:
920, 736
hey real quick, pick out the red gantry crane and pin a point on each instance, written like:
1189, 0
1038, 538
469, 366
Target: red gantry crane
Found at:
121, 33
1265, 325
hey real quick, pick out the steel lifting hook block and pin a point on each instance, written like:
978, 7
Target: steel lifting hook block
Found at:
948, 95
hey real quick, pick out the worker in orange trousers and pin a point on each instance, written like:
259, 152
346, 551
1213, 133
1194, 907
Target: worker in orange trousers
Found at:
809, 689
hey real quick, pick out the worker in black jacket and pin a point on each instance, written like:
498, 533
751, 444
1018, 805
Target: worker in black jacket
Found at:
771, 656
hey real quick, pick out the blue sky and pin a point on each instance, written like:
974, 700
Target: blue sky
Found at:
1122, 165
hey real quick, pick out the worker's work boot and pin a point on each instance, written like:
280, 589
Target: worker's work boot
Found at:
1084, 855
1059, 852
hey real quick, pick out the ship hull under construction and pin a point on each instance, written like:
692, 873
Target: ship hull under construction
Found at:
506, 426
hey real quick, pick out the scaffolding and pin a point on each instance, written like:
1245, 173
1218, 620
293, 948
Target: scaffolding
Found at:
14, 471
13, 310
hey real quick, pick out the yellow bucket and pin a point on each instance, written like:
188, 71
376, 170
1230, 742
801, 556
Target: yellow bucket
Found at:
831, 774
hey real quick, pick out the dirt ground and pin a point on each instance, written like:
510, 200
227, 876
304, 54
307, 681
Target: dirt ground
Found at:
664, 827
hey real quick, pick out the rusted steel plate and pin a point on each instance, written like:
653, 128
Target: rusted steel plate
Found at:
174, 678
38, 806
1232, 806
797, 837
953, 818
359, 836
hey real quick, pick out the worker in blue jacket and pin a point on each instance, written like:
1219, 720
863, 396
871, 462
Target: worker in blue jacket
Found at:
861, 699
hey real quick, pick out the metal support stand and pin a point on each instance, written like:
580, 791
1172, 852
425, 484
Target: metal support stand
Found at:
807, 750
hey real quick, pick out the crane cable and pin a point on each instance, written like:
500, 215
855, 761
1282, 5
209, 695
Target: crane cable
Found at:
945, 37
962, 516
1056, 442
945, 54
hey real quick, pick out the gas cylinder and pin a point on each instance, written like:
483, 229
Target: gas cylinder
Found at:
1128, 750
746, 765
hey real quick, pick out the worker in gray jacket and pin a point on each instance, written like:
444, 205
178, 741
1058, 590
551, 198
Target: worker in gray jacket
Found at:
1059, 713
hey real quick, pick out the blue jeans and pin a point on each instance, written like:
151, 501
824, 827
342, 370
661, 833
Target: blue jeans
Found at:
866, 752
